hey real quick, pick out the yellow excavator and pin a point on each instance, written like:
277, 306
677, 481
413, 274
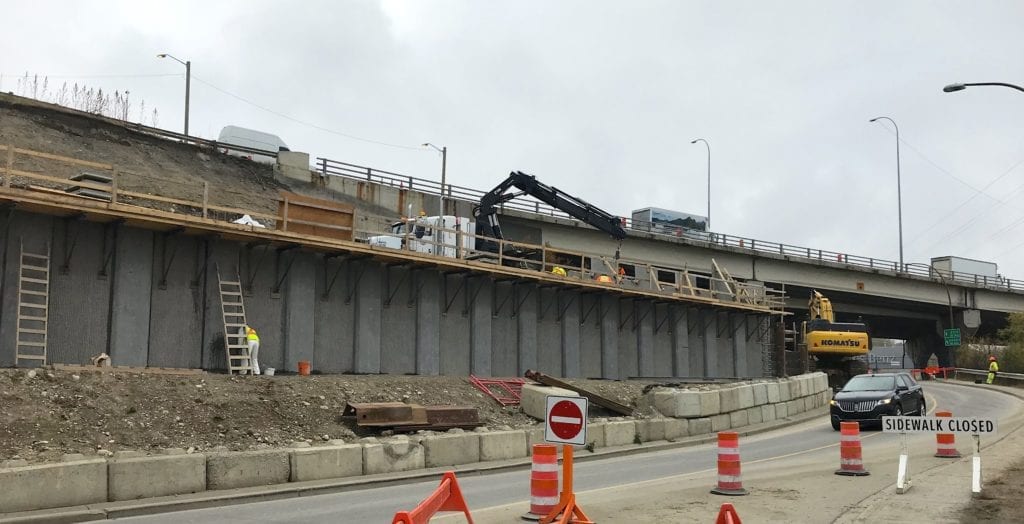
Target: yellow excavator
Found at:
834, 345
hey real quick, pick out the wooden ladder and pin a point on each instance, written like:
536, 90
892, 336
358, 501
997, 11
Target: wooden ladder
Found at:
33, 307
233, 309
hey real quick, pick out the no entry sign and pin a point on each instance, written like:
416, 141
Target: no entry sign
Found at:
566, 421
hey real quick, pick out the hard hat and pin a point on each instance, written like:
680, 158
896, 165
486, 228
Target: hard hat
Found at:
423, 213
991, 359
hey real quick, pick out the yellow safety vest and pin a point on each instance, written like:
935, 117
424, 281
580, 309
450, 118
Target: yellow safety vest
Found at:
993, 366
558, 271
250, 334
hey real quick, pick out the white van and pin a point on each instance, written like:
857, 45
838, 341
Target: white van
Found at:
240, 136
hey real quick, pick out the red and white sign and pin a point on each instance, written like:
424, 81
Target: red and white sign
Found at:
566, 420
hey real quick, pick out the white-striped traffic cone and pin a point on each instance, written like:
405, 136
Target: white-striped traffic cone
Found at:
729, 480
945, 443
543, 481
851, 460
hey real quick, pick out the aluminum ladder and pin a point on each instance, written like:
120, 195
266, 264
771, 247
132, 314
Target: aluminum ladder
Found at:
33, 307
233, 309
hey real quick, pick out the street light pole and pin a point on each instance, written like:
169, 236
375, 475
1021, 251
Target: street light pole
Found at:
188, 82
708, 146
899, 196
444, 167
960, 87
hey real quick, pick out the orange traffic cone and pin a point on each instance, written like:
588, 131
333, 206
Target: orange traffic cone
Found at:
728, 515
851, 461
945, 443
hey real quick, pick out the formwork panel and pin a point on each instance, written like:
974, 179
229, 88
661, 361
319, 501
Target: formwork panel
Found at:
80, 298
398, 338
333, 330
132, 296
504, 333
176, 308
35, 231
549, 334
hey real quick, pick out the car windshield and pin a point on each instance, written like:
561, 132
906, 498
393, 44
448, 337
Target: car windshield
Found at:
869, 383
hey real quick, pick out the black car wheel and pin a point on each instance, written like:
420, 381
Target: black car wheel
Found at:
923, 410
899, 411
835, 424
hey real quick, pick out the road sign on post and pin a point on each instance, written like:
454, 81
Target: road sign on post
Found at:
952, 336
566, 420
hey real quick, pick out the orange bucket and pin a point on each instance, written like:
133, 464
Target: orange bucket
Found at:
303, 367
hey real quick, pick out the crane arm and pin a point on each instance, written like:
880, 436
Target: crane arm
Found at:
486, 211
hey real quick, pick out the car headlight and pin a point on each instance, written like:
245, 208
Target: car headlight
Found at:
832, 402
884, 401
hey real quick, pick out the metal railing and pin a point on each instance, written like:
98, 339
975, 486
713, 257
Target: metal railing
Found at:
328, 167
1017, 378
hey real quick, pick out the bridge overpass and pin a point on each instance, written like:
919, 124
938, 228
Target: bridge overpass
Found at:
914, 302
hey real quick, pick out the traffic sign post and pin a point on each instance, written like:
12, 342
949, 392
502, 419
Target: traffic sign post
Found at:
565, 423
951, 336
973, 426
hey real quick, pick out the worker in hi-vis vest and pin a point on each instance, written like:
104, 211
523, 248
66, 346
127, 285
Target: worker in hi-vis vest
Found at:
993, 369
254, 348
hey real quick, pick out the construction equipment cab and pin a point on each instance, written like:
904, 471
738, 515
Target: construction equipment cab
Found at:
834, 346
428, 234
486, 211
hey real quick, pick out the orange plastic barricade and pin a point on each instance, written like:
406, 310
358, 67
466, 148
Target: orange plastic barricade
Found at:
447, 497
728, 515
729, 481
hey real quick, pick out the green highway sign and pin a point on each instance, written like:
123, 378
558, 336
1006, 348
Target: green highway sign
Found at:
952, 336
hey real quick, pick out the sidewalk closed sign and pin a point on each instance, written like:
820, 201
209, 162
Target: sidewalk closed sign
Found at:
974, 426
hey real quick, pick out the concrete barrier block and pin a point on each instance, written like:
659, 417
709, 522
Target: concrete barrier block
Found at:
746, 396
676, 428
53, 485
502, 445
393, 454
728, 400
699, 426
784, 391
767, 412
772, 389
754, 415
794, 406
619, 433
820, 382
595, 434
805, 384
533, 436
681, 404
781, 411
738, 418
533, 399
450, 449
794, 388
721, 422
760, 394
710, 403
328, 462
810, 403
650, 430
133, 478
247, 468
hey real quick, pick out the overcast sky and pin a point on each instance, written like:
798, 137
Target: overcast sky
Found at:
602, 99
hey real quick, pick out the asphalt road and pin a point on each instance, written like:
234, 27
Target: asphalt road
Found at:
786, 452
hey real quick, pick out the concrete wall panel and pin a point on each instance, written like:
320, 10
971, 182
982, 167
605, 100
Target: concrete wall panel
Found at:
130, 304
333, 330
480, 290
455, 326
300, 308
369, 302
608, 316
549, 334
590, 336
504, 333
569, 307
264, 309
525, 298
428, 321
176, 309
398, 341
629, 359
79, 321
680, 342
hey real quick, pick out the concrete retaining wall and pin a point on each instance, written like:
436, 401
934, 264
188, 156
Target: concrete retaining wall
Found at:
144, 477
53, 485
245, 469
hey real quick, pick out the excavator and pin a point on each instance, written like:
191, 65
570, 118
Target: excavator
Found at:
485, 213
834, 345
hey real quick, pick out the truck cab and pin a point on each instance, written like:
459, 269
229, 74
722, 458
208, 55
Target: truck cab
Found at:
428, 234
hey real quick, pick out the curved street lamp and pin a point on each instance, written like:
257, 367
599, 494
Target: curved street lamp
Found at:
899, 197
188, 81
960, 87
708, 146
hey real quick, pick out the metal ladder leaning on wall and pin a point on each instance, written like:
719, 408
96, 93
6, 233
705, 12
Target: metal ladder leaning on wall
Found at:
33, 307
233, 309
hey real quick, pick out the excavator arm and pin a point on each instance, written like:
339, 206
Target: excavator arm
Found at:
486, 212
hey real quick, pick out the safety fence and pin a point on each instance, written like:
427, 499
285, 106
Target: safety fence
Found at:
328, 167
1016, 379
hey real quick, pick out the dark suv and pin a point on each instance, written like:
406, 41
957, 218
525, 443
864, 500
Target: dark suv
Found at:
867, 398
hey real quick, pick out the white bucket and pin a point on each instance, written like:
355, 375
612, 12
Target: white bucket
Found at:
268, 372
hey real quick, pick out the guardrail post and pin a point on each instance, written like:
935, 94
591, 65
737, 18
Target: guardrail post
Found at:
369, 173
10, 166
323, 167
114, 175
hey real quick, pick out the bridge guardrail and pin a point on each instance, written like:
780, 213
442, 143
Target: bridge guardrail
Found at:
1018, 378
328, 167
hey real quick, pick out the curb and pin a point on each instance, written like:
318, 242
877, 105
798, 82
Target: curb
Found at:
110, 510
